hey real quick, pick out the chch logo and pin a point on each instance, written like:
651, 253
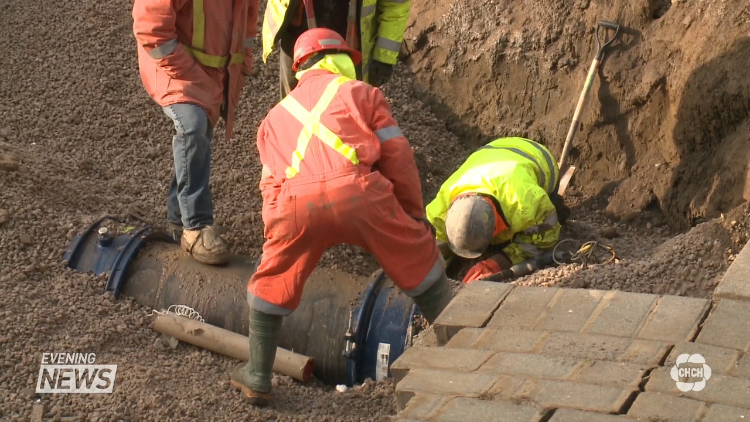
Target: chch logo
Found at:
690, 372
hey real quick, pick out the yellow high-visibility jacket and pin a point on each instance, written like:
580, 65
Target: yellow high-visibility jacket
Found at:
520, 174
379, 39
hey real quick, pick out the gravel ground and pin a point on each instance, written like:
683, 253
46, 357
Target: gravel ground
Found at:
81, 139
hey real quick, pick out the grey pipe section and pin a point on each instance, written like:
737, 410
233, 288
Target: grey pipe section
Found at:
163, 275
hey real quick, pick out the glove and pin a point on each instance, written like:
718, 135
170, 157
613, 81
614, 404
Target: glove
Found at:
380, 73
481, 270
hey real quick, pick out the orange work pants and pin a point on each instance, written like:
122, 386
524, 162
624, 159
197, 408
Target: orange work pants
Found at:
314, 213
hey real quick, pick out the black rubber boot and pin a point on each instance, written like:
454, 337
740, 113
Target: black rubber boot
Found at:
254, 378
432, 302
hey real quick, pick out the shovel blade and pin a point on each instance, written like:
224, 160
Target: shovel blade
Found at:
565, 180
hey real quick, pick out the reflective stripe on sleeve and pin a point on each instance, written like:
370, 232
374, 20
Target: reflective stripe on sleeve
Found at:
387, 44
388, 133
164, 50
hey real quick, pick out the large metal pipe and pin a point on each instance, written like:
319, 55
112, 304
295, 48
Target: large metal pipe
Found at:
352, 326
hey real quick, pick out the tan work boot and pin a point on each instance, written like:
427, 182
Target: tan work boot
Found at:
205, 245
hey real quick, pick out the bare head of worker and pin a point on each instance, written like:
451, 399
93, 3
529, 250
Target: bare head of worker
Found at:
314, 44
471, 223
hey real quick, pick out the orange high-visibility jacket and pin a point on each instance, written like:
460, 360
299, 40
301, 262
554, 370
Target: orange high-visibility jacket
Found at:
187, 49
354, 128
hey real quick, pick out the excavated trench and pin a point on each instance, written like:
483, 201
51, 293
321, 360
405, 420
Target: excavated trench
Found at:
80, 138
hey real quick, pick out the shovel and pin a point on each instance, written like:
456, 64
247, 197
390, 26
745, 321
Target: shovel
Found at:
310, 12
562, 164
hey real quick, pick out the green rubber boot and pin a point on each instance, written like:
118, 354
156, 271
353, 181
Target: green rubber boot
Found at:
432, 302
254, 378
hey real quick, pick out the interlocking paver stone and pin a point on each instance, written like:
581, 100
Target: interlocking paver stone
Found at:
509, 340
599, 347
527, 364
621, 313
741, 369
719, 388
448, 383
665, 408
570, 309
464, 338
422, 405
615, 374
523, 307
674, 318
472, 307
473, 410
728, 325
568, 415
506, 387
596, 398
722, 413
736, 281
721, 359
462, 360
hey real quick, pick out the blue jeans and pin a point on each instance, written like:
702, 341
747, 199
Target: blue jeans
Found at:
189, 201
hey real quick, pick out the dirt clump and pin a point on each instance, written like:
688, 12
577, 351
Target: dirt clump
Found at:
689, 264
666, 124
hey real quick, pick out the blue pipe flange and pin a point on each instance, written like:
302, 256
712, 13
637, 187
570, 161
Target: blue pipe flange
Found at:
127, 253
114, 254
72, 253
357, 332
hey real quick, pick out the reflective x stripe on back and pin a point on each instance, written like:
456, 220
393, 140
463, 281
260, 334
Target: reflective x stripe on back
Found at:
199, 34
312, 126
542, 178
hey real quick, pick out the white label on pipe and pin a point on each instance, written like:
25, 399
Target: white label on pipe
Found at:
384, 355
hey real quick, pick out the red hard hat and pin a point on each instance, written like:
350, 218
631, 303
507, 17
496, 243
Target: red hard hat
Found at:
321, 39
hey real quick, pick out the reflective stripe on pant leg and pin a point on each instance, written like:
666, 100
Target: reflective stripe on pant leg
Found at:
435, 273
261, 305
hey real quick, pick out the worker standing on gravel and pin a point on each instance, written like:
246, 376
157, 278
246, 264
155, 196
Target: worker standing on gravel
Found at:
504, 194
192, 56
336, 169
377, 35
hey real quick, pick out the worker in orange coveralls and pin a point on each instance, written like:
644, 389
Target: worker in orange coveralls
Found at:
336, 169
192, 56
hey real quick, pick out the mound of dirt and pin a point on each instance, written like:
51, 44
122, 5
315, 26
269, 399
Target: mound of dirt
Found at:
666, 125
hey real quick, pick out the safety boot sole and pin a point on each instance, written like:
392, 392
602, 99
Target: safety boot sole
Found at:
256, 399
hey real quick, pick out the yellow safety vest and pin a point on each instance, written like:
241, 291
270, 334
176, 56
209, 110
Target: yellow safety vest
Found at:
312, 126
520, 174
379, 40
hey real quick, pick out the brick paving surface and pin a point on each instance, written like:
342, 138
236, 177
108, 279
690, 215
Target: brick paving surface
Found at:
512, 353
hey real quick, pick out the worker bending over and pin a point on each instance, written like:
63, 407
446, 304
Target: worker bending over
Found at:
192, 56
504, 194
377, 34
336, 169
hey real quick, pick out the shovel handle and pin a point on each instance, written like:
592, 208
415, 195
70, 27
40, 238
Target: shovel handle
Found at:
607, 26
310, 12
